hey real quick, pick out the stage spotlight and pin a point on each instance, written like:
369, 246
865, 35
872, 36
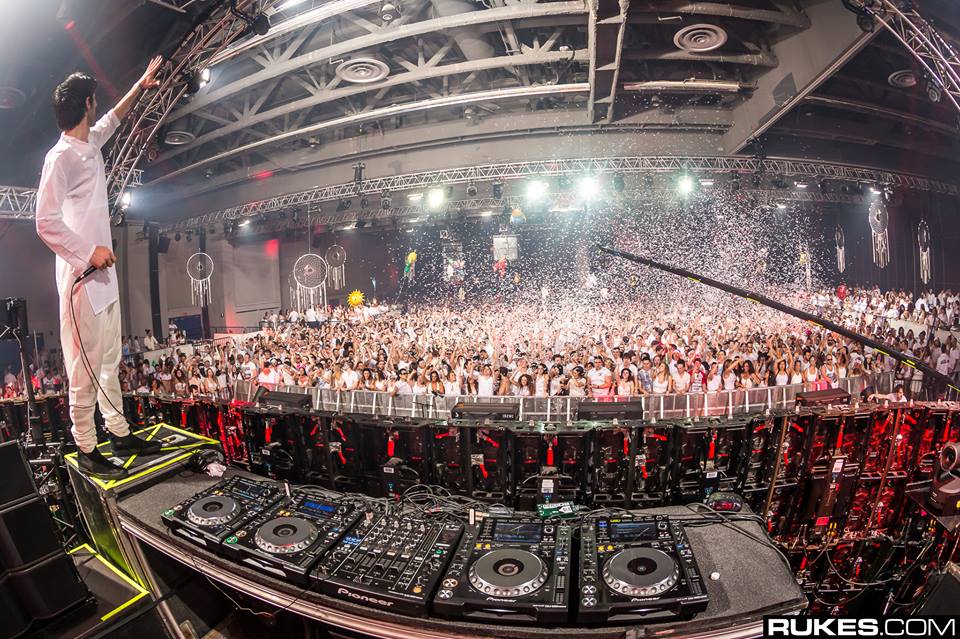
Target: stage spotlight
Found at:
706, 181
536, 190
176, 237
244, 222
618, 183
498, 190
204, 77
779, 182
261, 24
822, 185
756, 180
125, 200
189, 236
685, 185
588, 187
472, 189
486, 213
364, 202
389, 11
801, 184
343, 205
436, 198
781, 206
933, 90
874, 190
385, 200
648, 181
735, 182
414, 197
208, 173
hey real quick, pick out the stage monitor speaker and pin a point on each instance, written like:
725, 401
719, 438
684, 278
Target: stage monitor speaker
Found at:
48, 587
942, 592
829, 396
17, 481
485, 410
27, 533
605, 411
283, 401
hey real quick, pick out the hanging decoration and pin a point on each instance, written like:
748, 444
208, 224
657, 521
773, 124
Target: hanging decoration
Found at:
355, 299
310, 277
841, 249
410, 265
923, 241
336, 258
878, 228
200, 269
517, 216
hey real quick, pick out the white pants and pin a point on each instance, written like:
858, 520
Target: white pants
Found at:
101, 343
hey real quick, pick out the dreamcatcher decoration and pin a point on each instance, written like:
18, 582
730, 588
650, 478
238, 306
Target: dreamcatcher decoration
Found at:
841, 249
410, 265
878, 228
200, 269
310, 276
336, 274
923, 241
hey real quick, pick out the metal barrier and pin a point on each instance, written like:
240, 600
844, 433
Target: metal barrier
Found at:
718, 403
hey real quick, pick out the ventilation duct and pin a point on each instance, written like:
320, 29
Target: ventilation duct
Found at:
473, 43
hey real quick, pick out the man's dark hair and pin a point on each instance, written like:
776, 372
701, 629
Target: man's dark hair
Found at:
70, 99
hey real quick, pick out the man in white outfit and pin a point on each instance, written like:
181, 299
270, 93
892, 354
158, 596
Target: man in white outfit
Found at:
73, 220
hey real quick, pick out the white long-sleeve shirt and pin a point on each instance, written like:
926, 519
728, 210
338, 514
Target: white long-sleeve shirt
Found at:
73, 216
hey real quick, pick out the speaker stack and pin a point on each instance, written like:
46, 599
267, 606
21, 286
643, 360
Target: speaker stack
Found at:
38, 581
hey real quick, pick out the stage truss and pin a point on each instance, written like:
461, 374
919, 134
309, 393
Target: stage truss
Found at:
931, 50
215, 29
488, 173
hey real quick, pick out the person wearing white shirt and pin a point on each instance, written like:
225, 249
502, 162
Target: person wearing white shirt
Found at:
150, 342
73, 219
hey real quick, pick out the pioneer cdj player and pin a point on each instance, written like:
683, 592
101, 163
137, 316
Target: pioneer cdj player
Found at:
393, 561
510, 569
288, 539
637, 569
212, 515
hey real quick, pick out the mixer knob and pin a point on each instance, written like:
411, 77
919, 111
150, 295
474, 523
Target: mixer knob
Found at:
445, 594
450, 583
589, 590
589, 602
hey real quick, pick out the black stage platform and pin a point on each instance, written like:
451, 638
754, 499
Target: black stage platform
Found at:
752, 581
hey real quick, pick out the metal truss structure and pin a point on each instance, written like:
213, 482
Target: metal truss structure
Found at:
930, 49
19, 202
214, 30
489, 173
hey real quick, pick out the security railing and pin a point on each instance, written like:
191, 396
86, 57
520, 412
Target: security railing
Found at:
705, 404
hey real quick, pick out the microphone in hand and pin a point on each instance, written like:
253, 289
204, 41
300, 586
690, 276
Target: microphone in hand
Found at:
87, 273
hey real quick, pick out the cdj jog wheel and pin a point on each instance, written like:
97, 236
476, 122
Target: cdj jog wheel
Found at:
285, 535
214, 510
508, 572
641, 572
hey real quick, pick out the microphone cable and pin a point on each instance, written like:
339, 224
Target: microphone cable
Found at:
83, 353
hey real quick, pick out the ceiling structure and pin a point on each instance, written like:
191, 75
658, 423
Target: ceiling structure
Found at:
412, 86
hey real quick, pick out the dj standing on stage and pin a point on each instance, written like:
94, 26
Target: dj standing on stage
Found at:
73, 220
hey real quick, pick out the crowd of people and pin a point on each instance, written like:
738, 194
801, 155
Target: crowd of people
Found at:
596, 349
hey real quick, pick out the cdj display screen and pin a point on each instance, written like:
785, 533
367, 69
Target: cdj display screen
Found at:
633, 531
318, 507
248, 489
511, 531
